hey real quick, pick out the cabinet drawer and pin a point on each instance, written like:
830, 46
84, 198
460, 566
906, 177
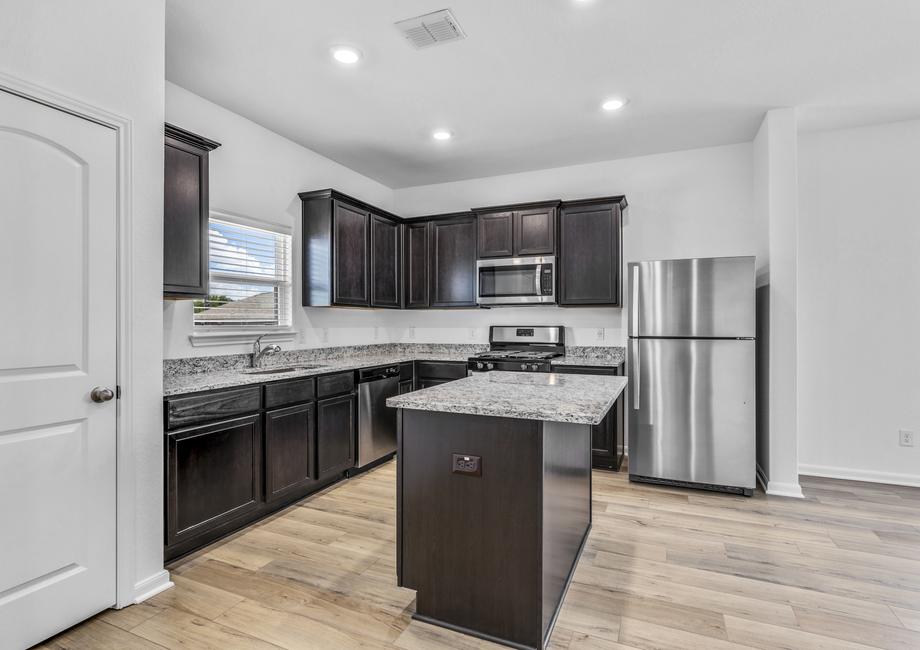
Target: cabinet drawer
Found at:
587, 370
329, 385
441, 369
288, 392
183, 411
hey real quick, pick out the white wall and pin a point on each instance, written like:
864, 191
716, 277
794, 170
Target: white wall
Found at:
110, 54
776, 179
858, 307
694, 203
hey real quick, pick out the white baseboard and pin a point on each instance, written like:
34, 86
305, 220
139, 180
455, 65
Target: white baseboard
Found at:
150, 587
912, 480
792, 490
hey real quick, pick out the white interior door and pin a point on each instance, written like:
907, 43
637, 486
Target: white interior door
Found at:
58, 191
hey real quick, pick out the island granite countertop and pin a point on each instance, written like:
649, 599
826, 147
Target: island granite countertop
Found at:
580, 399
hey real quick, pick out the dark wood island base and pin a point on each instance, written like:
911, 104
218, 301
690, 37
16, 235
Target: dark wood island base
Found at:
493, 514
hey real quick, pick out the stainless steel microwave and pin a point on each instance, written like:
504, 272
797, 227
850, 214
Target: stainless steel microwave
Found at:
516, 281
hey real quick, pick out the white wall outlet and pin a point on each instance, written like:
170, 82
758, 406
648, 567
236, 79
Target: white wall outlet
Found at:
324, 334
411, 332
376, 333
472, 333
599, 334
906, 438
301, 336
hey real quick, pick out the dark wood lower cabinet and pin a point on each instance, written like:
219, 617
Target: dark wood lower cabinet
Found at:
406, 386
335, 435
608, 437
432, 373
223, 475
213, 476
290, 451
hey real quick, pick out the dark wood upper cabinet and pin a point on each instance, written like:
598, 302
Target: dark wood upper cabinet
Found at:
349, 258
590, 252
535, 231
385, 274
496, 237
290, 451
185, 213
453, 261
416, 266
350, 252
524, 229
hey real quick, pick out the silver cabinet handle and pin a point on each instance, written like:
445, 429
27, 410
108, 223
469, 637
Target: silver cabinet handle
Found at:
100, 394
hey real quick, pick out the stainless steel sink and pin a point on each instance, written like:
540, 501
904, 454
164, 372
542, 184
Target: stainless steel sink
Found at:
269, 371
278, 371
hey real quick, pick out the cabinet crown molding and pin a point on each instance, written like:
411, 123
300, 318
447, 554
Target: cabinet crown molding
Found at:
188, 137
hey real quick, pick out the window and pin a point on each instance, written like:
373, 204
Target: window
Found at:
250, 278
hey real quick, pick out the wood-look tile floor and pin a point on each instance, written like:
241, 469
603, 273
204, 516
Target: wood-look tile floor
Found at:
663, 568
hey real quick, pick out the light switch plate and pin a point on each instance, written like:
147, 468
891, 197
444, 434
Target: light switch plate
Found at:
906, 438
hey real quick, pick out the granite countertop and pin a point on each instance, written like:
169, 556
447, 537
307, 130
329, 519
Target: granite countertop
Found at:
214, 379
195, 374
580, 399
596, 362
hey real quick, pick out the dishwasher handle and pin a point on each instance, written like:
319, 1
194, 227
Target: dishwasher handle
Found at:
381, 372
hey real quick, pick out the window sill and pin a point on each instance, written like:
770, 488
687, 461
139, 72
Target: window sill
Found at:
211, 337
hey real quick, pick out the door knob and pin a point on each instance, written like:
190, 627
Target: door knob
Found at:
100, 394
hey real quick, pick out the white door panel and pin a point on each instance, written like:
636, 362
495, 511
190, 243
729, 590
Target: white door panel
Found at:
58, 191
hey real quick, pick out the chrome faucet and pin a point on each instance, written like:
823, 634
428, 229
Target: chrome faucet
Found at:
258, 351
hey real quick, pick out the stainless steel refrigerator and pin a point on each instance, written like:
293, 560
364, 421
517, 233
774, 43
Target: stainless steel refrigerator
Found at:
691, 373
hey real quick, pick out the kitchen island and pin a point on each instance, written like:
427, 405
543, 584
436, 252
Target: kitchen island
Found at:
494, 498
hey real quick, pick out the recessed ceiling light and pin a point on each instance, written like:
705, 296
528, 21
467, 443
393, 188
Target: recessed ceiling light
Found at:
346, 54
442, 134
614, 104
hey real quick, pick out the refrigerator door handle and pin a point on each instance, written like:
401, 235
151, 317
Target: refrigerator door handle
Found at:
634, 307
635, 374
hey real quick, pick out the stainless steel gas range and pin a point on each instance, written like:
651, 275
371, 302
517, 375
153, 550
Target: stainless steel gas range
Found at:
520, 348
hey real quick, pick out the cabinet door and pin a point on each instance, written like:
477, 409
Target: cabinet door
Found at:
185, 220
453, 262
290, 451
335, 435
428, 383
385, 283
349, 258
535, 231
417, 265
406, 386
495, 234
213, 476
589, 255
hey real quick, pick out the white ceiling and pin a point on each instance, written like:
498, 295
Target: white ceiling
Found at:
523, 90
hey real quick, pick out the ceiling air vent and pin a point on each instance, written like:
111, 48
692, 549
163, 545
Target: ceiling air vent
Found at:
431, 29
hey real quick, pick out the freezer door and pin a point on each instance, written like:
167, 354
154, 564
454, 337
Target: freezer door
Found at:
691, 410
709, 297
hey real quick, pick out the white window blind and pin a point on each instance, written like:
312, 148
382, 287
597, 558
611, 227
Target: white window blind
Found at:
250, 278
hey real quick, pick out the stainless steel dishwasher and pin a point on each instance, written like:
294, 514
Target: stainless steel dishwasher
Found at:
376, 421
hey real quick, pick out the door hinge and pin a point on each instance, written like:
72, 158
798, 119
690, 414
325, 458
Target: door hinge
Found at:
117, 392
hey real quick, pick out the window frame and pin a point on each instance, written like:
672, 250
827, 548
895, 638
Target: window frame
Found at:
204, 334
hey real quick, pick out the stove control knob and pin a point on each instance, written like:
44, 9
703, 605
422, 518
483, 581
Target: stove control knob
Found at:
479, 365
534, 366
523, 366
489, 366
